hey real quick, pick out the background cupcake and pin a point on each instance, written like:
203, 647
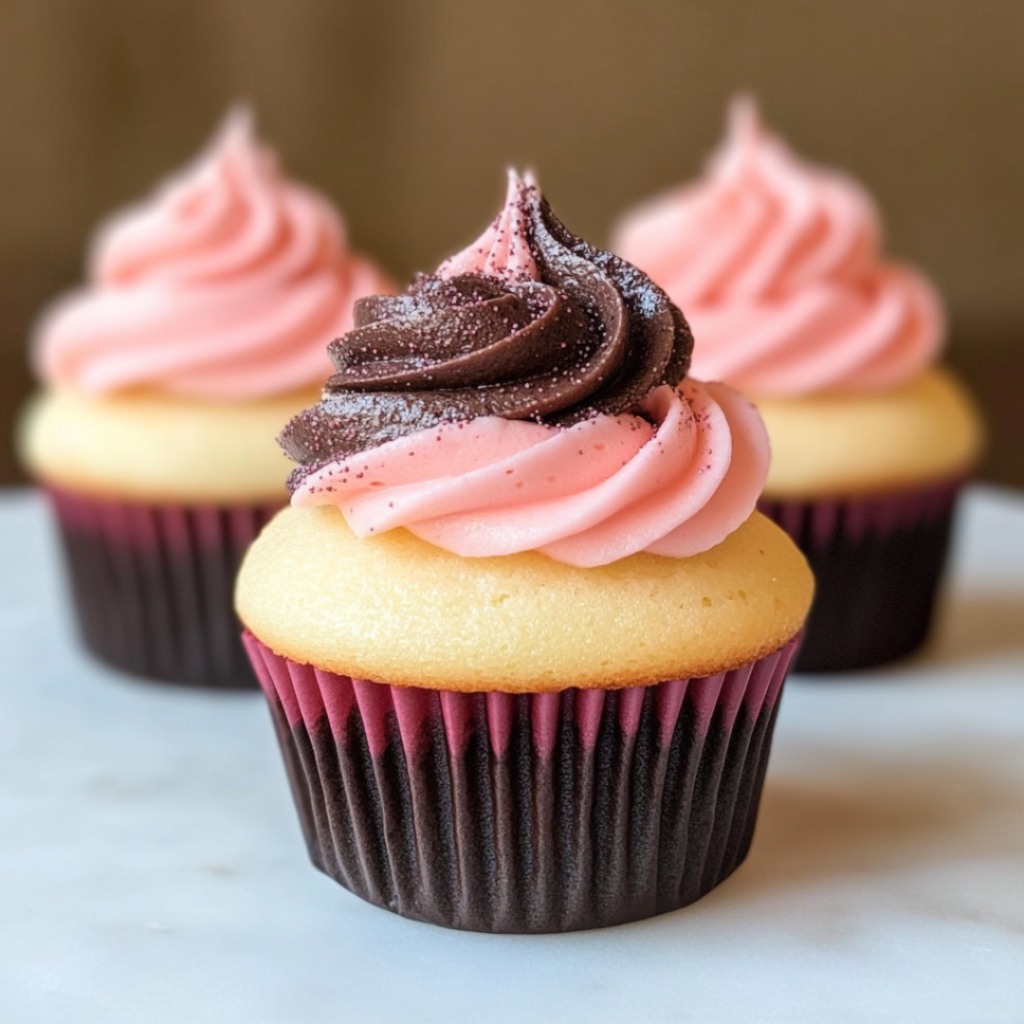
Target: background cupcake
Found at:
201, 329
778, 265
522, 633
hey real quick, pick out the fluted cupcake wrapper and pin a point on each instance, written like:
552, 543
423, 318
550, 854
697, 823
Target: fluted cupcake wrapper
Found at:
152, 585
531, 812
877, 562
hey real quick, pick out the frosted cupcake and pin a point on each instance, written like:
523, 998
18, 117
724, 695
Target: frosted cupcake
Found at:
201, 328
522, 632
778, 265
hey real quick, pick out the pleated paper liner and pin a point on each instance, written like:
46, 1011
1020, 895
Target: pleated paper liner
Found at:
152, 585
525, 813
877, 562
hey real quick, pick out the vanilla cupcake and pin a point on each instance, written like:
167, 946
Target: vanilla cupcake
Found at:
522, 632
778, 266
201, 328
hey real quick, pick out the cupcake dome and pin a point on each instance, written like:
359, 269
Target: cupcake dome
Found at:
399, 610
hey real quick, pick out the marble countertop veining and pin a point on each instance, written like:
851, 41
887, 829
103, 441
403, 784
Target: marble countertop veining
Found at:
152, 870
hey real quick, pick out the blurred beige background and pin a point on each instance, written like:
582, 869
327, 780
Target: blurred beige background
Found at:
407, 111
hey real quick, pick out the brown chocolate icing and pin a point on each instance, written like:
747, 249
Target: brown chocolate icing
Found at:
593, 335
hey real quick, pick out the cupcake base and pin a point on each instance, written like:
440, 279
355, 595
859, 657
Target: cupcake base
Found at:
530, 812
877, 563
152, 585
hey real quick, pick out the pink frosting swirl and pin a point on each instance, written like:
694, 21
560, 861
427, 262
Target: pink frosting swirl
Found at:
227, 284
586, 495
777, 266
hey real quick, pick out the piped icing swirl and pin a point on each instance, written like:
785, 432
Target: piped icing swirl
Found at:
225, 285
588, 334
530, 395
778, 266
675, 482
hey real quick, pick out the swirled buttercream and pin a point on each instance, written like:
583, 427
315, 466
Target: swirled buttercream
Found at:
529, 396
777, 264
227, 284
587, 495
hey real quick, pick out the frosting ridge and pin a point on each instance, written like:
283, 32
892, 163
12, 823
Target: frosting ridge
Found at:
226, 284
778, 265
589, 335
590, 494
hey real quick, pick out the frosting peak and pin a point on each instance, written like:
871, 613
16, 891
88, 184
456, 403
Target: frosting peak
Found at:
778, 265
503, 250
227, 283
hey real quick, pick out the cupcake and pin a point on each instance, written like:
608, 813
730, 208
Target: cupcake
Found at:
201, 328
778, 265
522, 632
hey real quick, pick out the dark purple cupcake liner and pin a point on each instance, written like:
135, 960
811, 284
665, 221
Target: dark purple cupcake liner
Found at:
540, 812
152, 585
877, 563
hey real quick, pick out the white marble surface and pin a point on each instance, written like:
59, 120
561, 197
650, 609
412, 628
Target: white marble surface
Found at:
151, 868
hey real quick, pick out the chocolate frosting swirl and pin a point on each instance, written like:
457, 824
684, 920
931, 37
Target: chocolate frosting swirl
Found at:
593, 335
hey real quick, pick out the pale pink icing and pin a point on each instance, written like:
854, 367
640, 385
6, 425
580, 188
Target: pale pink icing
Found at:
586, 495
776, 265
503, 249
227, 284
